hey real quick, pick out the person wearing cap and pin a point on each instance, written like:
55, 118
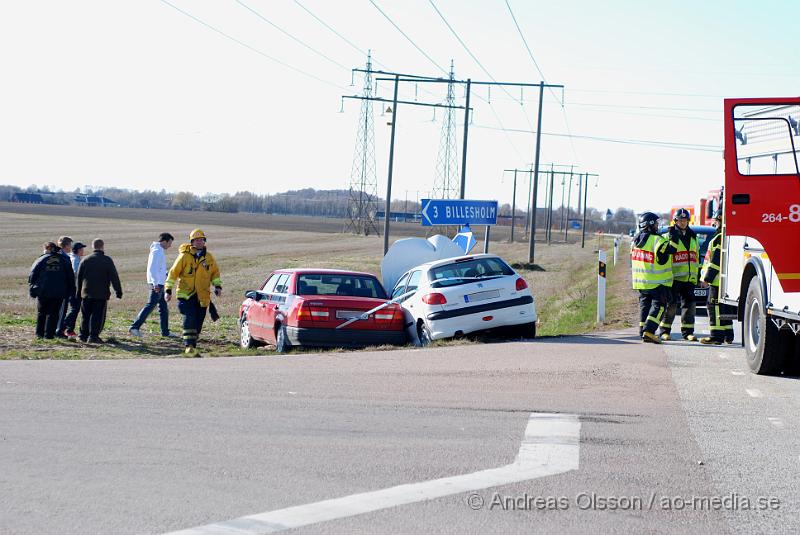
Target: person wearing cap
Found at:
195, 271
685, 263
156, 277
721, 329
51, 280
73, 304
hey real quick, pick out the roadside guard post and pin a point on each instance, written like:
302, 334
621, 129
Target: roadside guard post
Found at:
616, 249
601, 286
460, 212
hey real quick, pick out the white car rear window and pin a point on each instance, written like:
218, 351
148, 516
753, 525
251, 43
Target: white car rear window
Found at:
468, 271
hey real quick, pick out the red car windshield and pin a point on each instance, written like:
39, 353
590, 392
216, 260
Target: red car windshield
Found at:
340, 284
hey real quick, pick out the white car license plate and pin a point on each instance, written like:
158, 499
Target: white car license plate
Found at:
347, 314
481, 296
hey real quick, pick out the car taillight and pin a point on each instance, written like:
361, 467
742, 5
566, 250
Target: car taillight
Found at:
521, 284
434, 299
387, 315
311, 313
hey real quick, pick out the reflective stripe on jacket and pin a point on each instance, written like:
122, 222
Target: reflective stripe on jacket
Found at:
711, 263
646, 271
195, 271
686, 261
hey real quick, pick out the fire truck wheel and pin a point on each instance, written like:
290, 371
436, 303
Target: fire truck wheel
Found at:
761, 336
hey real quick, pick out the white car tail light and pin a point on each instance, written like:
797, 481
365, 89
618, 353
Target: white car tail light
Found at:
521, 284
434, 299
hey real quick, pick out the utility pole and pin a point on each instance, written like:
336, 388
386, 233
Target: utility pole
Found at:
514, 207
550, 208
464, 151
363, 190
585, 193
396, 78
528, 213
388, 210
446, 185
514, 200
569, 200
563, 186
532, 235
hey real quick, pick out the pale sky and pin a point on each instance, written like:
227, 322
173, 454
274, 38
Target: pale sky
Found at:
139, 95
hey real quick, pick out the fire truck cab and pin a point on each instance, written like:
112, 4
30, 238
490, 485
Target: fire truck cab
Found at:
760, 271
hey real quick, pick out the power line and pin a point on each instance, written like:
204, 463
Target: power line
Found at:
647, 142
407, 37
251, 48
656, 93
528, 48
290, 36
663, 108
492, 78
639, 114
536, 64
329, 27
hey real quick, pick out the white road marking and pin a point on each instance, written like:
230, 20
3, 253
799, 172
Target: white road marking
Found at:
754, 392
777, 422
551, 446
737, 372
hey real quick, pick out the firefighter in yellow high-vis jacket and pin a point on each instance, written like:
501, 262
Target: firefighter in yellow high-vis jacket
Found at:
195, 271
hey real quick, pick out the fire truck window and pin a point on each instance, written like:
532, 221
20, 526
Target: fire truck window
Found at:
767, 139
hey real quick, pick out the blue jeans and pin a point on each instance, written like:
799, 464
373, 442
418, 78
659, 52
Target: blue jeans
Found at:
69, 314
156, 298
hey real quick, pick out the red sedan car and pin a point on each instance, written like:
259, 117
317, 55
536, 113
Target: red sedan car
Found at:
314, 307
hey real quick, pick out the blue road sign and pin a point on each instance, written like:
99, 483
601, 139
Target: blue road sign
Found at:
465, 240
458, 212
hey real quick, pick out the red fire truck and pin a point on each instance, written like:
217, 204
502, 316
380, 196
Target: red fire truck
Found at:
708, 207
761, 229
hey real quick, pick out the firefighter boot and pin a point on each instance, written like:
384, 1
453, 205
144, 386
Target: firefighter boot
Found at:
650, 338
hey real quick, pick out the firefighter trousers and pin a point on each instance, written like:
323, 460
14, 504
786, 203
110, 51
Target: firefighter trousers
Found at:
681, 295
652, 304
721, 330
193, 317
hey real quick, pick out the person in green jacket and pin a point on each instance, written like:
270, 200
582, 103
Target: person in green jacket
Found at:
721, 329
685, 264
651, 271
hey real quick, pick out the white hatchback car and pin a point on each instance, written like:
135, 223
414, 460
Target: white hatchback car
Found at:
464, 295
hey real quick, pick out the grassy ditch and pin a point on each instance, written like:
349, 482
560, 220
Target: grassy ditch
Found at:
573, 310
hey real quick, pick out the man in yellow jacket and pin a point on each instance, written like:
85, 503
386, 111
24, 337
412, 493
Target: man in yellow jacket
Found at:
195, 270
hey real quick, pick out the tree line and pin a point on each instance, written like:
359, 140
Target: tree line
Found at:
308, 202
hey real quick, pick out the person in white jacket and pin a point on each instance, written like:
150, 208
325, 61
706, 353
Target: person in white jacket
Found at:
156, 277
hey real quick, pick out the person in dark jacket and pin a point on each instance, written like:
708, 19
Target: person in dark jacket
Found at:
95, 274
51, 282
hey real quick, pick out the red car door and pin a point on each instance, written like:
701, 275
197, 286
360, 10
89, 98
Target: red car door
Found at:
257, 316
272, 305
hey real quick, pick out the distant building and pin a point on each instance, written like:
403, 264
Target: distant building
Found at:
94, 200
29, 198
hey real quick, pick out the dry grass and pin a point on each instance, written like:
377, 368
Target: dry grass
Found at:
246, 256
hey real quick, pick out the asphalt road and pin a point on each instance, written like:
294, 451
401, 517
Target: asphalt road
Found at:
160, 445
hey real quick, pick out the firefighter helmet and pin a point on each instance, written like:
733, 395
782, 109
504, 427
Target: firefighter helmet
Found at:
647, 219
197, 233
682, 213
